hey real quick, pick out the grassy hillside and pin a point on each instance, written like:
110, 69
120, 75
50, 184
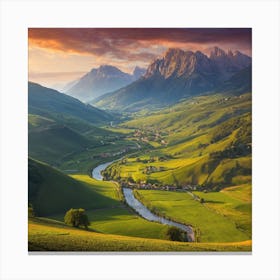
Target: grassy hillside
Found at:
45, 235
53, 142
42, 100
36, 122
121, 220
62, 129
114, 217
52, 193
75, 147
203, 141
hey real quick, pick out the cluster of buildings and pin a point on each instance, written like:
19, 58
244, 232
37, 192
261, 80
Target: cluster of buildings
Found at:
149, 186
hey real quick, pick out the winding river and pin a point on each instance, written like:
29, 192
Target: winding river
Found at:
141, 209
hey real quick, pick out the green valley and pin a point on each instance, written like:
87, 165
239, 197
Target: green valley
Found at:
70, 135
203, 143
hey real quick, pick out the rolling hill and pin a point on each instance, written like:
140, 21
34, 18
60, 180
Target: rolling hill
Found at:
50, 141
61, 127
51, 192
204, 142
48, 102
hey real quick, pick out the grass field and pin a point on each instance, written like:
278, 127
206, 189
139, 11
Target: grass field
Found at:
122, 221
210, 225
46, 235
113, 216
233, 203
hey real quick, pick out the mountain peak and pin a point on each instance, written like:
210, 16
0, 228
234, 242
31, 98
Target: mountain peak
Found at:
230, 53
101, 80
108, 69
200, 54
98, 81
173, 51
217, 52
178, 63
235, 53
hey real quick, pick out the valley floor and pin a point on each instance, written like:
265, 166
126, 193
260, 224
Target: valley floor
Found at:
116, 222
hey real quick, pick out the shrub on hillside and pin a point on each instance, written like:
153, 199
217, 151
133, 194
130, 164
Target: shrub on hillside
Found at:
175, 234
76, 218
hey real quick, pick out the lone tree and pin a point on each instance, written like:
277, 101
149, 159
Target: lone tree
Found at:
76, 218
175, 234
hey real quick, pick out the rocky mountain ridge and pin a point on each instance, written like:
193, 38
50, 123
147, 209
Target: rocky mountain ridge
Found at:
178, 74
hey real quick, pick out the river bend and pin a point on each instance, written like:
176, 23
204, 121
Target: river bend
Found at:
141, 209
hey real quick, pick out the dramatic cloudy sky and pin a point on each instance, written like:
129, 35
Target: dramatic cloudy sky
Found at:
58, 55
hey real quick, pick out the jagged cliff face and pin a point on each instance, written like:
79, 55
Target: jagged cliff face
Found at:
229, 63
179, 63
179, 74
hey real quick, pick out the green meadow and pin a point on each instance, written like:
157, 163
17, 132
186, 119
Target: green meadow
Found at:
122, 221
233, 203
48, 235
209, 225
